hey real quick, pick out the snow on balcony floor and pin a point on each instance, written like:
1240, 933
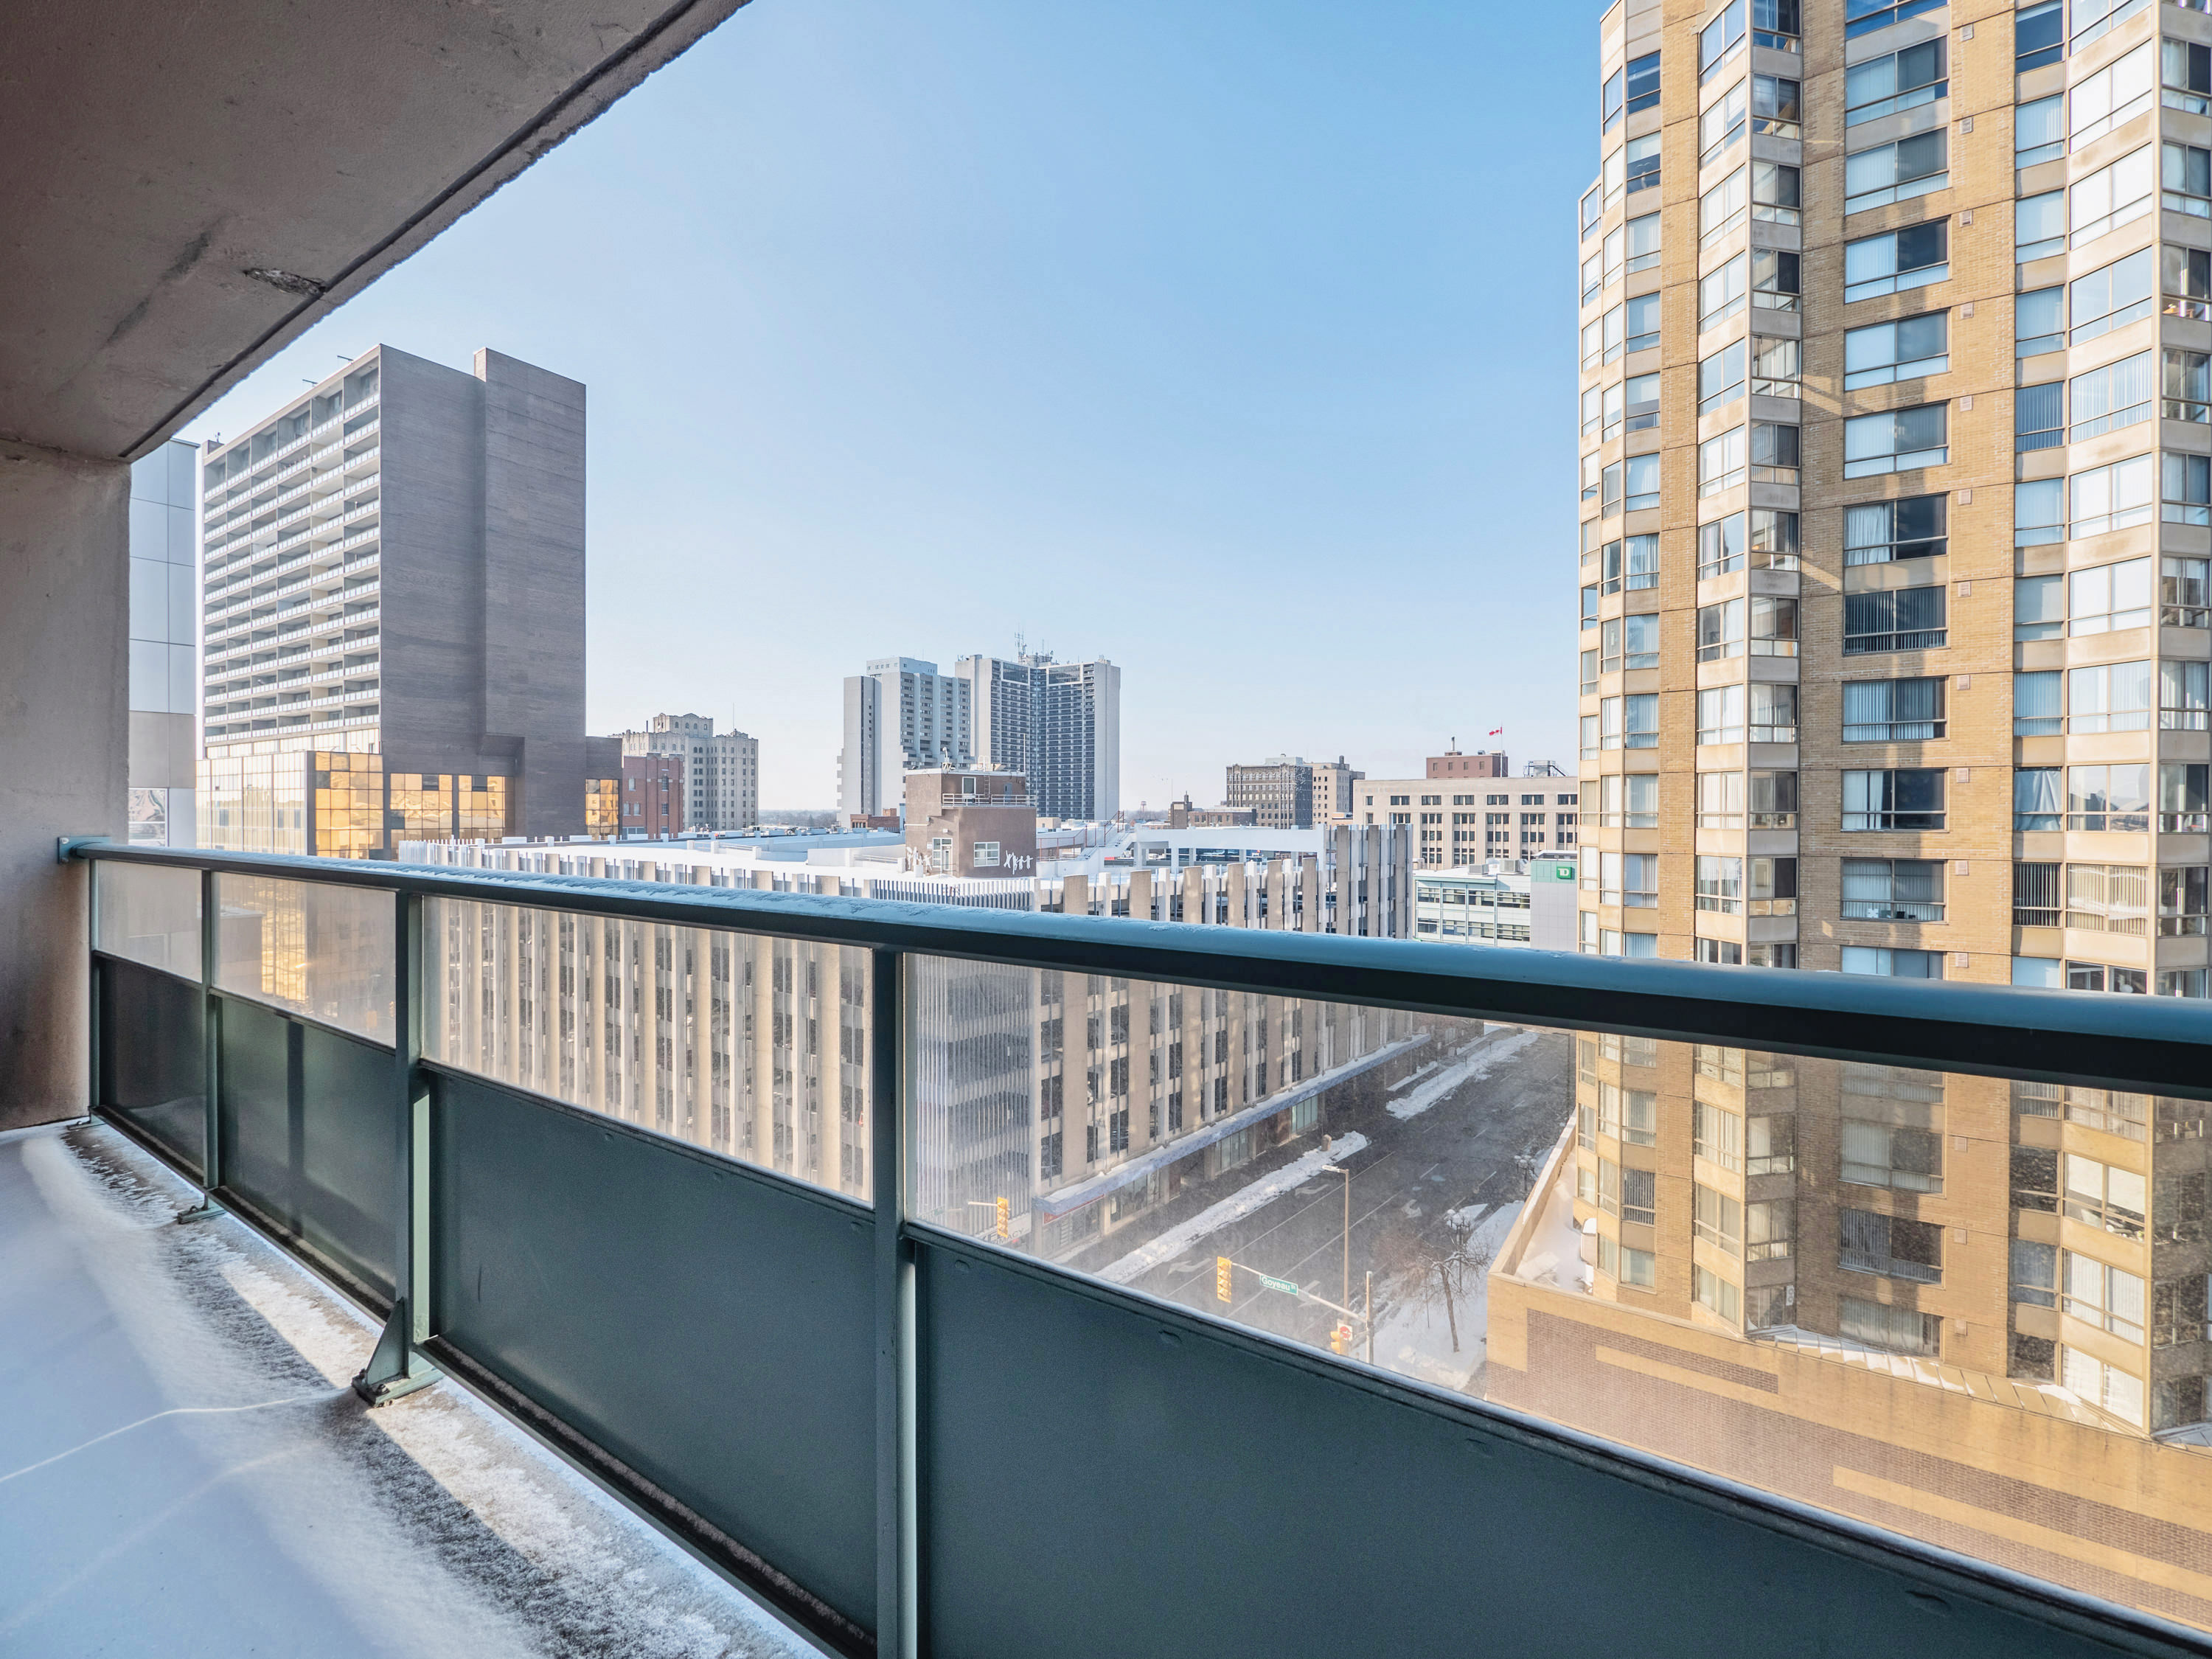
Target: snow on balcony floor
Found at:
185, 1471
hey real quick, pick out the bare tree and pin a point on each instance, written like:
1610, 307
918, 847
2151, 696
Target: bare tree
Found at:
1440, 1263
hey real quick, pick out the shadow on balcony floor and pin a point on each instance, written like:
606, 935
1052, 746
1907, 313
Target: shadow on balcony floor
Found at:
183, 1471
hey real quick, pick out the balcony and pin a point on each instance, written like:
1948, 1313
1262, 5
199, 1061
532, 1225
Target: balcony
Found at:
645, 1251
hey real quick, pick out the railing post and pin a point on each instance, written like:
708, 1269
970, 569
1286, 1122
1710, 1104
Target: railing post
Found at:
210, 1055
897, 1597
397, 1366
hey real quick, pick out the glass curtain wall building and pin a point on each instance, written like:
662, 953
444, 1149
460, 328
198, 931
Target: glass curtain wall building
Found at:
164, 645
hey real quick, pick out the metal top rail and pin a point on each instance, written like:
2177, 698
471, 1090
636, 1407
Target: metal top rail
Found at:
2156, 1044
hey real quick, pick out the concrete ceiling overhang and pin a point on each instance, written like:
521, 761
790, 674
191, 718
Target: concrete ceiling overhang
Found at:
187, 184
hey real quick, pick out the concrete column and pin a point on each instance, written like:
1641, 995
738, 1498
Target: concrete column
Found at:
65, 750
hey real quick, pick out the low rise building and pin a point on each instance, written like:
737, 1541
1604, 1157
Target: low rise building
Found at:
970, 821
721, 770
652, 799
1181, 814
1499, 905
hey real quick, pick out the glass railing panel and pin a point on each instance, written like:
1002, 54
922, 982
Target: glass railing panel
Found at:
1967, 1308
149, 915
311, 948
750, 1046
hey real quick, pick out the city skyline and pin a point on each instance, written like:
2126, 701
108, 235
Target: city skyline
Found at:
1257, 394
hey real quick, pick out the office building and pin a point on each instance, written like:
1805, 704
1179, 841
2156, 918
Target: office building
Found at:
1057, 723
164, 645
721, 770
901, 716
654, 800
394, 606
1181, 814
1893, 537
1332, 782
1278, 792
1531, 906
1462, 822
969, 820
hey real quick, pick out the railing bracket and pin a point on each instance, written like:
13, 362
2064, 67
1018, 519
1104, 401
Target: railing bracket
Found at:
397, 1369
206, 1210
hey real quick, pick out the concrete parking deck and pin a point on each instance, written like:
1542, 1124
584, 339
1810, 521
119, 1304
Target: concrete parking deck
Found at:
183, 1471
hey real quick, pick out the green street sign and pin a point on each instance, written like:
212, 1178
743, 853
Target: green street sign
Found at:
1285, 1285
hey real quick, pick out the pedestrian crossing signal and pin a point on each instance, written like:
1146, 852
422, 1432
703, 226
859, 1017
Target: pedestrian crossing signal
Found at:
1003, 1217
1221, 1279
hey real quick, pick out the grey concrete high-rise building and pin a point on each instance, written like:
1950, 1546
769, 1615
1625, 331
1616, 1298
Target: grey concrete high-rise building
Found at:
394, 603
1057, 723
901, 716
164, 644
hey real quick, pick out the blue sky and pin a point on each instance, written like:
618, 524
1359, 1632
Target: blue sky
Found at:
1232, 342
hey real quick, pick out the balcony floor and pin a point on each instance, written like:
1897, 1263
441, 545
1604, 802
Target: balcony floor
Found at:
183, 1471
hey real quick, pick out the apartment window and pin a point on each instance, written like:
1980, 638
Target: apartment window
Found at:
1630, 879
2038, 798
1902, 350
1772, 798
1642, 481
1893, 889
1720, 715
1630, 802
2182, 894
1864, 17
1896, 262
1720, 800
2187, 273
2108, 898
2105, 399
1630, 643
2181, 798
1881, 532
1609, 101
2103, 1196
2107, 798
1589, 605
2182, 693
2037, 896
2038, 321
1634, 167
2186, 75
1593, 276
2039, 704
2100, 976
1773, 453
1631, 405
1723, 122
2109, 697
1774, 107
1631, 563
1774, 23
1721, 292
2038, 130
2039, 226
1892, 1246
2038, 512
2111, 595
2187, 488
1774, 279
2112, 197
1593, 416
2114, 296
2113, 96
1640, 249
2185, 179
1593, 209
1629, 722
1893, 711
1720, 885
1775, 192
1776, 369
1720, 41
1720, 208
2188, 385
1774, 626
1720, 546
1900, 80
1721, 462
1594, 337
2108, 1298
1717, 1218
2039, 34
1773, 540
1910, 167
1909, 798
1884, 962
1773, 714
1716, 1135
1884, 1325
1639, 1200
2038, 416
1610, 480
1720, 377
1720, 631
1641, 315
1897, 440
1895, 619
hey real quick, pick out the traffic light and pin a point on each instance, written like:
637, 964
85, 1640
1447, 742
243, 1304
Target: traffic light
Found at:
1340, 1339
1221, 1279
1002, 1219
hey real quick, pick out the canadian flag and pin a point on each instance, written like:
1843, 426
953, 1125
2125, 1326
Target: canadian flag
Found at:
1498, 732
